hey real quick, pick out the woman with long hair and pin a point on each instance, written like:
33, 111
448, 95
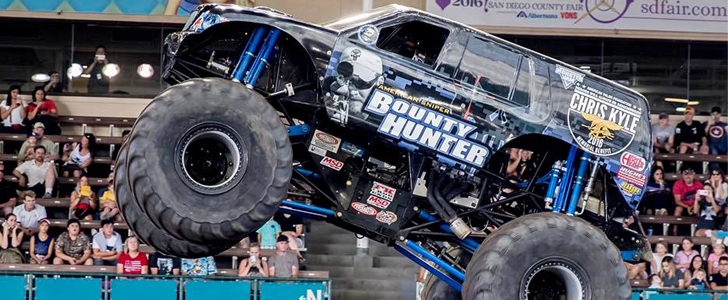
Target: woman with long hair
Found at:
78, 159
83, 200
720, 187
658, 196
254, 265
12, 111
671, 276
10, 241
132, 261
660, 252
697, 263
43, 110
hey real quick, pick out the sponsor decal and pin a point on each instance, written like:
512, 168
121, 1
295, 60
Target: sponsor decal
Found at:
332, 163
206, 20
427, 101
629, 189
383, 191
403, 120
378, 202
632, 176
317, 150
568, 76
352, 149
386, 217
633, 161
325, 141
600, 123
363, 208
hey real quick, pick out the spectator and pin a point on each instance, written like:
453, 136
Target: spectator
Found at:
686, 255
12, 111
40, 175
697, 263
720, 187
108, 206
670, 275
719, 281
29, 153
268, 233
8, 194
717, 136
663, 135
41, 244
98, 83
80, 157
161, 264
658, 196
708, 209
659, 255
254, 265
132, 261
655, 283
73, 247
115, 153
698, 280
43, 110
714, 258
29, 213
106, 245
11, 240
203, 266
292, 228
690, 135
684, 192
83, 200
54, 85
50, 146
282, 263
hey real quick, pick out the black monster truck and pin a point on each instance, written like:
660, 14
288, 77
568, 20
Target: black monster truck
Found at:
507, 174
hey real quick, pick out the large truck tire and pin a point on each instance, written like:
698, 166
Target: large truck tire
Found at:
436, 289
143, 227
546, 256
209, 161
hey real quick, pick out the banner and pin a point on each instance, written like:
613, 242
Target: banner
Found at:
704, 16
130, 7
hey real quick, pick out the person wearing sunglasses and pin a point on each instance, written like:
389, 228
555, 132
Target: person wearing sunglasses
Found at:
717, 180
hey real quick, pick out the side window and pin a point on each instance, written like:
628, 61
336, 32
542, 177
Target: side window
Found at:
414, 40
523, 83
492, 68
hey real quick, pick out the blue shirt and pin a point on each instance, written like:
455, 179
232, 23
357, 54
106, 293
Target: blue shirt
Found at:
268, 234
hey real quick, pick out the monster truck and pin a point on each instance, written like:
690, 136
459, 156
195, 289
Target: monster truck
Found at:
505, 173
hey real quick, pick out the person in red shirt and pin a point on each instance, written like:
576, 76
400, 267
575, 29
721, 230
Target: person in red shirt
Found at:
43, 110
132, 261
684, 192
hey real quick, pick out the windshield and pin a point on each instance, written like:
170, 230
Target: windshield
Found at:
362, 18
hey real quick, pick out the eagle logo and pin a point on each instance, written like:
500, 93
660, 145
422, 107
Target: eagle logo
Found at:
600, 128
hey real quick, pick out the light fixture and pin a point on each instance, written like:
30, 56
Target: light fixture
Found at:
111, 70
677, 100
40, 77
693, 103
680, 109
145, 70
74, 70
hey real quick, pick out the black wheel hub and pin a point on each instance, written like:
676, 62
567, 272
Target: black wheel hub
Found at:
555, 278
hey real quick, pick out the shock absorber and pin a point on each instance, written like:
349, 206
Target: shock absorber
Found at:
589, 184
555, 174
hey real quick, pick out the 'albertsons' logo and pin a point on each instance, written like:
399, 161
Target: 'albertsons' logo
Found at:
522, 14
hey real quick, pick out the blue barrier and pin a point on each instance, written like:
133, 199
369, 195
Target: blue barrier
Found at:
67, 288
13, 287
292, 290
206, 290
134, 289
680, 297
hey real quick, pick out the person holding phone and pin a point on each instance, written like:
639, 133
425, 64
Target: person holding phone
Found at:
83, 200
98, 83
255, 264
708, 209
13, 111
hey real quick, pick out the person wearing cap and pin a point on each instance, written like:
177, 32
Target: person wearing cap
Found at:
685, 191
41, 139
37, 175
717, 135
29, 213
41, 244
8, 194
663, 135
106, 245
282, 263
690, 135
73, 247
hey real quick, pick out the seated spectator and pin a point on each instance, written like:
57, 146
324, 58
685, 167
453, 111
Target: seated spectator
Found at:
292, 228
161, 264
132, 261
690, 135
83, 200
8, 194
658, 195
282, 263
80, 157
40, 139
43, 110
54, 85
203, 266
29, 213
671, 276
106, 245
73, 247
655, 283
115, 153
41, 244
714, 258
659, 254
685, 255
29, 151
107, 202
698, 281
13, 111
254, 265
708, 210
10, 241
719, 281
37, 175
268, 233
684, 191
717, 136
720, 187
663, 135
697, 263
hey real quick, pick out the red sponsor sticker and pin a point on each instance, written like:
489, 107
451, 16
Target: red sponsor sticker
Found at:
332, 163
383, 191
633, 161
632, 176
378, 202
327, 138
363, 208
386, 217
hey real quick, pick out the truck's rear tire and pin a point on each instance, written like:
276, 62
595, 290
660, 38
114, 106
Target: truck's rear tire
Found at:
546, 256
436, 289
143, 227
209, 161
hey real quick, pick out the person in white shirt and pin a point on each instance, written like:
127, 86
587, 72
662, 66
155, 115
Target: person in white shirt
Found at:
29, 214
40, 175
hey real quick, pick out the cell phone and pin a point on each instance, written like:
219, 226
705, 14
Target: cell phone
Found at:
100, 56
86, 191
252, 258
702, 193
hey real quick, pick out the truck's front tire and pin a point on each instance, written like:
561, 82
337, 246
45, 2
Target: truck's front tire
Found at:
546, 256
209, 161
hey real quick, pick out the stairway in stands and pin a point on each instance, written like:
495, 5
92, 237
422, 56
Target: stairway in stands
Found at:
382, 274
